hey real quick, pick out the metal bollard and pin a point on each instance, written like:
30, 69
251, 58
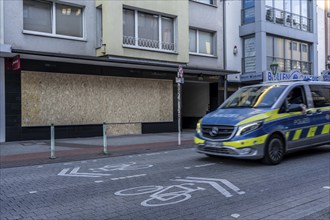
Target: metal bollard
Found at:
52, 142
105, 144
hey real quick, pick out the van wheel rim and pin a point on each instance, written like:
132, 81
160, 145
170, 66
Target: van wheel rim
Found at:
276, 150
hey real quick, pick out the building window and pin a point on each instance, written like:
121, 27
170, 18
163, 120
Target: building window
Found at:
208, 2
53, 18
99, 27
291, 13
146, 30
201, 42
249, 60
288, 54
248, 12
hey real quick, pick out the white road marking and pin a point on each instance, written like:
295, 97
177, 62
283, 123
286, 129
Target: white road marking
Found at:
98, 181
326, 187
32, 192
187, 168
235, 215
151, 154
215, 185
74, 172
205, 165
127, 177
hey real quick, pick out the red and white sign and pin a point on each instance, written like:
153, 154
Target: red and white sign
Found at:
13, 63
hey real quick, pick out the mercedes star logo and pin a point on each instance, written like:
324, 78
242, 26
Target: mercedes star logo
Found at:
214, 131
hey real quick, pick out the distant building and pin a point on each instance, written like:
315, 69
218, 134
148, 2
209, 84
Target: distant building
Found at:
281, 31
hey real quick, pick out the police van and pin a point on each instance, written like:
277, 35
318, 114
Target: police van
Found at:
267, 120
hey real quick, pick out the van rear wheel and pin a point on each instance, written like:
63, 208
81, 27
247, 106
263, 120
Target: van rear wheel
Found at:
274, 150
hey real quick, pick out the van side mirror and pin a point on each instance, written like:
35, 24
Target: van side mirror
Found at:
294, 108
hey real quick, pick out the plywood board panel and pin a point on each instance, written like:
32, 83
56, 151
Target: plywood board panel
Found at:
67, 99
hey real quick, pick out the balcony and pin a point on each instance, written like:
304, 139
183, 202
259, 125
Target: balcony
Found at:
286, 65
148, 44
288, 19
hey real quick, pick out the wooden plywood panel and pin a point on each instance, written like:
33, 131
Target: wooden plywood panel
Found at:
66, 99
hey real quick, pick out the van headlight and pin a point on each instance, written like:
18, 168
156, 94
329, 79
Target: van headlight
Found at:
247, 128
198, 127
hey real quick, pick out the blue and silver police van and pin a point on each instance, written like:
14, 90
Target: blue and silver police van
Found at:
267, 120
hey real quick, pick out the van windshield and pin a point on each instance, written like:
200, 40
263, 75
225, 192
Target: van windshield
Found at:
263, 96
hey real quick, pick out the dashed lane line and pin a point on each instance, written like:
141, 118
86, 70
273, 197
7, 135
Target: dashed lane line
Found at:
127, 177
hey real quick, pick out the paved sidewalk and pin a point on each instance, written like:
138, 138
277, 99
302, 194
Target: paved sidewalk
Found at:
24, 153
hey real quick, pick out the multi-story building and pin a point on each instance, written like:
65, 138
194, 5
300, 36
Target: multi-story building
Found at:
327, 33
281, 31
77, 64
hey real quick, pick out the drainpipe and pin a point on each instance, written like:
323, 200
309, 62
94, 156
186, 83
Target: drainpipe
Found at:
2, 77
224, 49
2, 22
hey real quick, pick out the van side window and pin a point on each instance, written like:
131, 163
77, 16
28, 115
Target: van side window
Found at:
320, 95
295, 97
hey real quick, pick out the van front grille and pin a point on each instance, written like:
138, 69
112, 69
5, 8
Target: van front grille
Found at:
217, 132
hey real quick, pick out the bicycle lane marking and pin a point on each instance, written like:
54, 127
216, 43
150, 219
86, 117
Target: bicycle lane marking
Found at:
212, 182
167, 195
161, 195
100, 172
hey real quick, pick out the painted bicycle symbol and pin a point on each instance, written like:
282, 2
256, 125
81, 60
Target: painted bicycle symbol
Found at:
124, 166
162, 195
166, 195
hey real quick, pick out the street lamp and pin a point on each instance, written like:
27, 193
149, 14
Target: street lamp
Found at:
273, 67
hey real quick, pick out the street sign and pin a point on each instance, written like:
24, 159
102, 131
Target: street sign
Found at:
180, 71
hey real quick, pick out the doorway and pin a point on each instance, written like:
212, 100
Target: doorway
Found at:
198, 98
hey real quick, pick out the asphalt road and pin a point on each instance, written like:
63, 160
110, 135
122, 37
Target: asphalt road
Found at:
177, 184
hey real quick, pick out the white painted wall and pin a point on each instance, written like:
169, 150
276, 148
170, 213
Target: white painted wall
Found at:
14, 36
321, 36
232, 38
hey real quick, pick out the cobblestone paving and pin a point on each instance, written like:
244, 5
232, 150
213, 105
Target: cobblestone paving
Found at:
180, 184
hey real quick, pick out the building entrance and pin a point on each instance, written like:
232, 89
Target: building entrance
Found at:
198, 98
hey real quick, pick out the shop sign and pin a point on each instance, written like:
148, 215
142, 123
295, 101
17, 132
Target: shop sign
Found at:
13, 63
251, 77
293, 75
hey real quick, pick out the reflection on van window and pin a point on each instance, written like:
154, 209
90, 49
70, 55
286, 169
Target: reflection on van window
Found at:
254, 97
320, 95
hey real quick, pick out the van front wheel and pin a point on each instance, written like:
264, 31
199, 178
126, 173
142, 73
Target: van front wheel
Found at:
274, 150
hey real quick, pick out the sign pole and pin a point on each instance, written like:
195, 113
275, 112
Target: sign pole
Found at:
179, 113
179, 80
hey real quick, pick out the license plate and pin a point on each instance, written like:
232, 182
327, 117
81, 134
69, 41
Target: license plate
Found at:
214, 144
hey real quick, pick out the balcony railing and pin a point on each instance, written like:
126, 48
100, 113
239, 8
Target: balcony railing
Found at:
285, 65
288, 19
148, 43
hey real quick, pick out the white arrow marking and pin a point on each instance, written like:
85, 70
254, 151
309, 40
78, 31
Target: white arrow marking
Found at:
224, 181
215, 185
75, 173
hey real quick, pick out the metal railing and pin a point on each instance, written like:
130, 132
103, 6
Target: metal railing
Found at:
288, 19
285, 65
148, 43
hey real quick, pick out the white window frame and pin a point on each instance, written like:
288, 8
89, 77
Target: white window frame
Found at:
136, 30
197, 44
53, 17
214, 2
